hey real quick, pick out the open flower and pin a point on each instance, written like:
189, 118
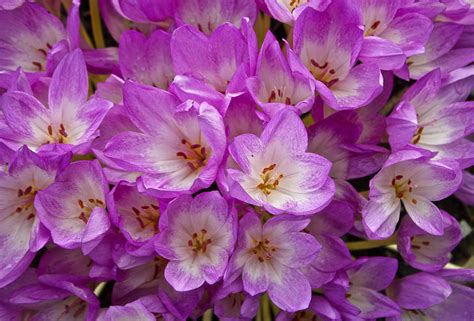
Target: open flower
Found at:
327, 44
276, 86
277, 173
424, 251
212, 68
73, 208
390, 34
135, 214
411, 178
366, 277
269, 258
197, 236
21, 233
39, 30
69, 122
180, 147
436, 118
440, 52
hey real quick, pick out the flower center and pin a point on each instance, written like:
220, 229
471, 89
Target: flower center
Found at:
293, 4
419, 315
403, 188
27, 197
42, 57
86, 207
279, 96
263, 250
418, 243
195, 155
370, 31
59, 136
199, 241
323, 72
77, 307
270, 180
147, 215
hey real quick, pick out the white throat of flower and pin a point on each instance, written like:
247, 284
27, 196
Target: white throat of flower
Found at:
403, 189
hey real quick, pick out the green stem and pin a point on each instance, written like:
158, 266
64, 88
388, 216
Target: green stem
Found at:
365, 245
96, 24
265, 303
207, 315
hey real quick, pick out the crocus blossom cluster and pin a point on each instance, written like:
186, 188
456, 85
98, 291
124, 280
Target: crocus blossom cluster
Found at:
269, 159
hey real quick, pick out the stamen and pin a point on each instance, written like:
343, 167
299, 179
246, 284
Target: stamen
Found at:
314, 63
82, 216
375, 25
181, 154
140, 221
37, 65
43, 52
62, 130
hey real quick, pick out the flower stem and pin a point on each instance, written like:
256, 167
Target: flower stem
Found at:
365, 245
207, 316
265, 302
96, 24
259, 313
261, 26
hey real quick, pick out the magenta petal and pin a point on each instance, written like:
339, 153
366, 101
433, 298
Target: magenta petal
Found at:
181, 277
410, 32
38, 28
382, 52
375, 273
420, 291
292, 292
380, 219
69, 85
359, 88
133, 311
426, 215
372, 304
147, 60
27, 119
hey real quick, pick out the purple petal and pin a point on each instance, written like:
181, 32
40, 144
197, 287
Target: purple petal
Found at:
372, 304
375, 273
292, 292
410, 32
382, 52
419, 291
69, 85
360, 87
